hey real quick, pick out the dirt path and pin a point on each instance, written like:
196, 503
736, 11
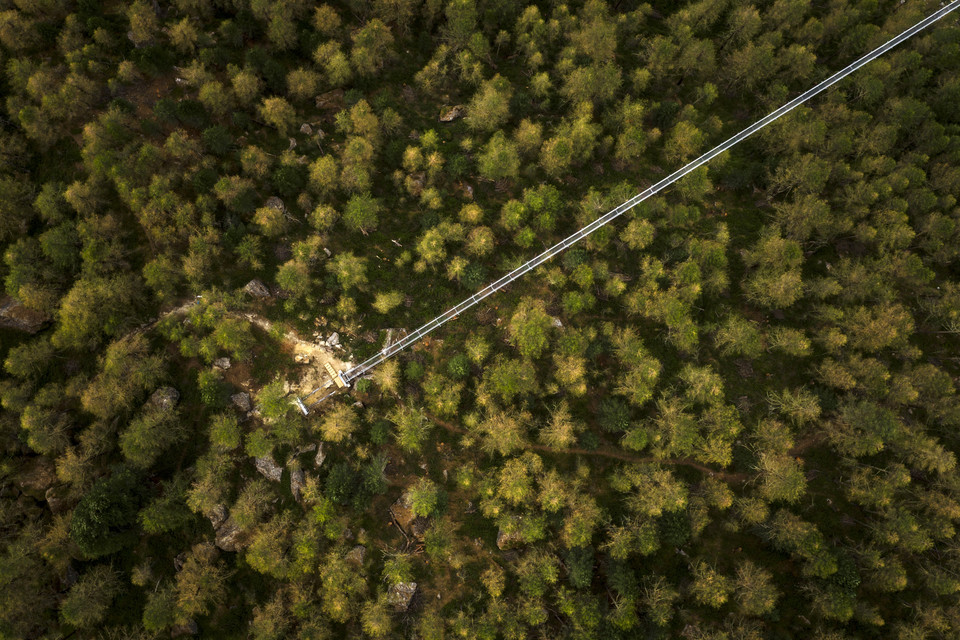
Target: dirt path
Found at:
609, 452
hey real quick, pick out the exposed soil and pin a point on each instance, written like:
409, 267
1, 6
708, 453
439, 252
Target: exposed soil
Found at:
309, 356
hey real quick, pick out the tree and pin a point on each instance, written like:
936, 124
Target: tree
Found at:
529, 327
372, 47
351, 270
201, 582
361, 213
341, 587
88, 600
143, 23
490, 106
302, 84
339, 423
387, 301
561, 431
149, 434
755, 591
160, 611
95, 308
375, 615
278, 113
424, 497
642, 370
168, 512
324, 174
103, 520
127, 371
499, 159
782, 477
412, 427
710, 587
738, 336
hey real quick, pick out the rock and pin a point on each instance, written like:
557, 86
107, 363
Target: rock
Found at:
222, 363
401, 512
411, 524
330, 100
70, 577
57, 499
358, 404
321, 456
357, 554
327, 251
242, 401
293, 144
178, 561
744, 368
297, 480
557, 323
418, 528
306, 129
452, 113
188, 628
229, 536
408, 93
511, 536
401, 595
218, 516
334, 339
257, 289
36, 476
14, 315
275, 203
166, 398
268, 468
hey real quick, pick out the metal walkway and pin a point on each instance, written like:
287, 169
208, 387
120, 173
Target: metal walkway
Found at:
490, 289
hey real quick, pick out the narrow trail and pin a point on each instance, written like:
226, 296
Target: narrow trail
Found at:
609, 452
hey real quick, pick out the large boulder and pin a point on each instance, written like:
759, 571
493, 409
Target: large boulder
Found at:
242, 401
36, 477
297, 480
268, 468
166, 398
320, 457
230, 537
222, 363
411, 524
510, 536
188, 628
58, 498
218, 516
401, 595
276, 203
257, 289
449, 114
14, 315
357, 555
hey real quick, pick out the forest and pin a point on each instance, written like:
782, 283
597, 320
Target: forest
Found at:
731, 414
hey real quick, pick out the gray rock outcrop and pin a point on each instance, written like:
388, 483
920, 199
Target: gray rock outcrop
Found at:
165, 398
401, 595
242, 401
257, 289
14, 315
268, 468
297, 480
452, 113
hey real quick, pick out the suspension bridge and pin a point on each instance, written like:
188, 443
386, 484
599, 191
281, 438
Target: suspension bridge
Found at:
342, 379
